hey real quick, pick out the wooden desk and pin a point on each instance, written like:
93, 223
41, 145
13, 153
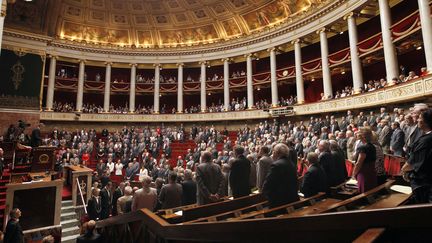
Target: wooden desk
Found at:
84, 175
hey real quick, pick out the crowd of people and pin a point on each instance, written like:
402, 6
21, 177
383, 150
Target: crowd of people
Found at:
267, 157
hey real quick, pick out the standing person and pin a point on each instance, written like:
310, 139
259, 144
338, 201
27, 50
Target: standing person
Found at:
397, 140
189, 187
418, 168
210, 180
36, 140
315, 179
364, 170
171, 193
106, 199
118, 192
94, 205
240, 172
14, 232
146, 197
124, 203
263, 166
281, 183
142, 173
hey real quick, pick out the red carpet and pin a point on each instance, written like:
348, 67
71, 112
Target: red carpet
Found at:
67, 193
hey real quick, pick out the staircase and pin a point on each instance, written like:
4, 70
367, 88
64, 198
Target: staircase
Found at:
3, 181
69, 223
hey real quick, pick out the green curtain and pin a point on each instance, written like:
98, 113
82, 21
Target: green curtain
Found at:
20, 79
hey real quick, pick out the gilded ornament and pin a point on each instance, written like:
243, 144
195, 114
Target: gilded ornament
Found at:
18, 70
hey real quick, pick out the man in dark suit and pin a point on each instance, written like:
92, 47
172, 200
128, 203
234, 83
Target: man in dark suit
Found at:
35, 140
209, 179
118, 192
94, 205
281, 184
189, 187
14, 232
240, 172
315, 179
106, 199
329, 164
91, 236
397, 140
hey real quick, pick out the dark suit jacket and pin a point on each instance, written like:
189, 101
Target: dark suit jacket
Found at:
13, 233
239, 177
314, 181
331, 166
397, 141
116, 195
106, 199
93, 208
189, 192
210, 180
90, 238
281, 184
35, 140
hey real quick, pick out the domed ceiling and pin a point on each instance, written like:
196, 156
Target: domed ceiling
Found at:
151, 23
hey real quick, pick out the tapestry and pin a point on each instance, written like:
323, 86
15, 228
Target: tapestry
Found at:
20, 79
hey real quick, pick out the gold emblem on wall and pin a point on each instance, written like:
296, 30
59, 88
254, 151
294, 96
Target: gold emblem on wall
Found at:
18, 70
43, 159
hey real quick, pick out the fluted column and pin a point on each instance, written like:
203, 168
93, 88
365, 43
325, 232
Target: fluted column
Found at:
328, 90
107, 86
273, 78
203, 86
356, 66
156, 89
180, 88
2, 18
51, 83
426, 26
391, 62
132, 88
226, 84
298, 72
80, 91
249, 81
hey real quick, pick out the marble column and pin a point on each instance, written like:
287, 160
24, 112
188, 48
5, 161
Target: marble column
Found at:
107, 86
180, 88
226, 84
391, 62
426, 24
80, 91
273, 78
328, 90
156, 89
249, 82
356, 66
132, 88
2, 19
51, 83
203, 86
298, 72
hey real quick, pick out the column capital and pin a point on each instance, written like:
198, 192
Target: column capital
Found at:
157, 65
180, 64
81, 61
203, 62
108, 63
133, 64
248, 55
324, 29
350, 15
272, 49
53, 56
228, 59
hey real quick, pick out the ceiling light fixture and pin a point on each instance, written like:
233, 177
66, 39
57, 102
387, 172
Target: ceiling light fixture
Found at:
343, 72
341, 32
419, 48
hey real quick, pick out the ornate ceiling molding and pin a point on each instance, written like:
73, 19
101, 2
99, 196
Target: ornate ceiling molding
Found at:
268, 38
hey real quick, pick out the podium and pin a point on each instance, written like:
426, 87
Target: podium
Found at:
84, 176
43, 159
39, 201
